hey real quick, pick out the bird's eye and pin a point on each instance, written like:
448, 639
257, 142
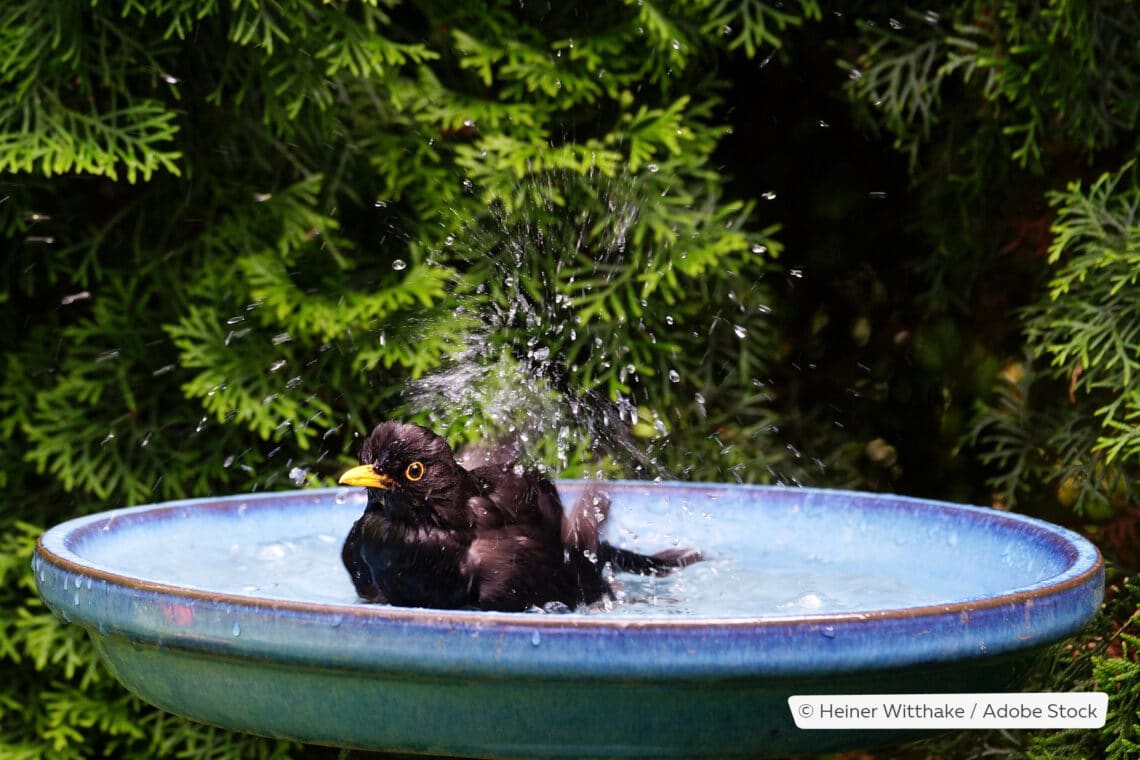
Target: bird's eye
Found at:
415, 471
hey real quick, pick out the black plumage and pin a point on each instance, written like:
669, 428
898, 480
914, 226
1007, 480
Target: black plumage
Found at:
495, 537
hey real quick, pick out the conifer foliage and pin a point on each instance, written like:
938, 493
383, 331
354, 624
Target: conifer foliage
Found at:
239, 232
236, 231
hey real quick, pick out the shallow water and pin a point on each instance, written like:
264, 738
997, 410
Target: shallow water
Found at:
308, 568
788, 557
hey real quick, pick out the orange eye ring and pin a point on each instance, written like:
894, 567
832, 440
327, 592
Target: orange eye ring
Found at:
414, 471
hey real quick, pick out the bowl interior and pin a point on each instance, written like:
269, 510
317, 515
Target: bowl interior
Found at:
768, 552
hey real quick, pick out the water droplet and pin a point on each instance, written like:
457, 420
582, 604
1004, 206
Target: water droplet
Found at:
380, 204
535, 639
262, 197
769, 196
280, 338
676, 44
228, 462
823, 124
449, 240
277, 365
895, 23
237, 628
170, 79
740, 331
828, 631
668, 319
541, 354
674, 376
82, 295
399, 265
76, 598
759, 248
796, 272
297, 475
107, 355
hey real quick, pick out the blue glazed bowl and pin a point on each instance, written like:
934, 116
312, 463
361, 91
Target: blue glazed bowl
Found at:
236, 611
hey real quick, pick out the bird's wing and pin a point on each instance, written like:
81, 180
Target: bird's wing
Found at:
520, 496
513, 569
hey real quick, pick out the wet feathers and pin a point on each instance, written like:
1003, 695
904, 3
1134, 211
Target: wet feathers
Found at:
495, 537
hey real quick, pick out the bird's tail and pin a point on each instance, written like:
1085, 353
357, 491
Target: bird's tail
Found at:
646, 564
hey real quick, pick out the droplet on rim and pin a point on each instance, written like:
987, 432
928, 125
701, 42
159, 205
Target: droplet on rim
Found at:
399, 265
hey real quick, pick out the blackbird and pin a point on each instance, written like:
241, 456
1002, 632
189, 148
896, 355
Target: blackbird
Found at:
495, 537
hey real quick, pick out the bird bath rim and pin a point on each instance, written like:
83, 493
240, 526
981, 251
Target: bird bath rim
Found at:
1085, 562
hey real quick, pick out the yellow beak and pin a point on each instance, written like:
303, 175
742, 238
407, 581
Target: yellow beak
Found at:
364, 475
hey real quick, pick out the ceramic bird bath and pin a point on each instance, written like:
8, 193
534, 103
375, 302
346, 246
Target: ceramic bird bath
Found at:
236, 611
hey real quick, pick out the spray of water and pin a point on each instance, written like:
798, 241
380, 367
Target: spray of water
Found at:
525, 370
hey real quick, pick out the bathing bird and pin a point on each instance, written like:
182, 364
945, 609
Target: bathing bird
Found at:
495, 537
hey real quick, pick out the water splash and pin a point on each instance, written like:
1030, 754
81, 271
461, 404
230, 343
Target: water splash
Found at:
525, 368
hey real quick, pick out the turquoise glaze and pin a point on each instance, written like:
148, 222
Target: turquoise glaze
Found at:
246, 630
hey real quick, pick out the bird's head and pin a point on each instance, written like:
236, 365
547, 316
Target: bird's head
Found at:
411, 475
